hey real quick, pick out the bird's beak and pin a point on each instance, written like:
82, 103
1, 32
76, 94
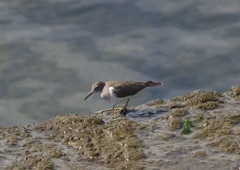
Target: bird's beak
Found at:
91, 92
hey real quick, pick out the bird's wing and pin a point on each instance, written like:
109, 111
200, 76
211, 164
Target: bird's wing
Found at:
129, 88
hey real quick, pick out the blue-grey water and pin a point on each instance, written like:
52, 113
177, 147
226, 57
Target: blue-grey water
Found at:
51, 51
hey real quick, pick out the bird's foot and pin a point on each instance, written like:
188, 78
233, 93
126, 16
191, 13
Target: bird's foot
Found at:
101, 111
123, 111
106, 110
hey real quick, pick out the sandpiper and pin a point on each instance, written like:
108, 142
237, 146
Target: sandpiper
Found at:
118, 91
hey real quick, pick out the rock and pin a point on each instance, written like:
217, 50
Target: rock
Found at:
149, 137
234, 91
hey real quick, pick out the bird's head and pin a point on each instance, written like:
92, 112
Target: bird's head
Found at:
96, 88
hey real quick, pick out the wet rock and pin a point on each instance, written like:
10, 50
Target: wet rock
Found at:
154, 102
15, 165
234, 91
166, 104
166, 136
55, 153
32, 162
188, 96
175, 123
11, 134
205, 100
201, 98
217, 126
226, 145
38, 162
176, 112
96, 140
200, 154
130, 165
148, 137
208, 105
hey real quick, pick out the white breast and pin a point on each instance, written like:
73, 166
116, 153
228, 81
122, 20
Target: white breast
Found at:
113, 98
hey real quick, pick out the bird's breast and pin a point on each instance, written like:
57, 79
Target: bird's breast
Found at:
109, 95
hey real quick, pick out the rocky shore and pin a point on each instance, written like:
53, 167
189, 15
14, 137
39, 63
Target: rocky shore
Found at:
149, 137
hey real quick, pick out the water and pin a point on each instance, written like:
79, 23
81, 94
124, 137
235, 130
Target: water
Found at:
52, 51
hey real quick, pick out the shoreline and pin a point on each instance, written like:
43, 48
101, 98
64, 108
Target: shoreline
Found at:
147, 138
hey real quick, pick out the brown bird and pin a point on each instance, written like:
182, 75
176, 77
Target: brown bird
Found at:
118, 91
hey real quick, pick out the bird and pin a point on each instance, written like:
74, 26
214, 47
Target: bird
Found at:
117, 91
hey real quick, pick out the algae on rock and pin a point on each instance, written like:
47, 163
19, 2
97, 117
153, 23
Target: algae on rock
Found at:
104, 141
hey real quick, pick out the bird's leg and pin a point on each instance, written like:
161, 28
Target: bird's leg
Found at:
124, 110
114, 106
126, 104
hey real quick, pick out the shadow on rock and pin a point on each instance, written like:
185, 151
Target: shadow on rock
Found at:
145, 113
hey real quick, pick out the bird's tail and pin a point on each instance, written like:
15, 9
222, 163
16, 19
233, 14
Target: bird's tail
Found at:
152, 84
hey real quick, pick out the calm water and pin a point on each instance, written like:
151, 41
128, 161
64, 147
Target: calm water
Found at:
51, 51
